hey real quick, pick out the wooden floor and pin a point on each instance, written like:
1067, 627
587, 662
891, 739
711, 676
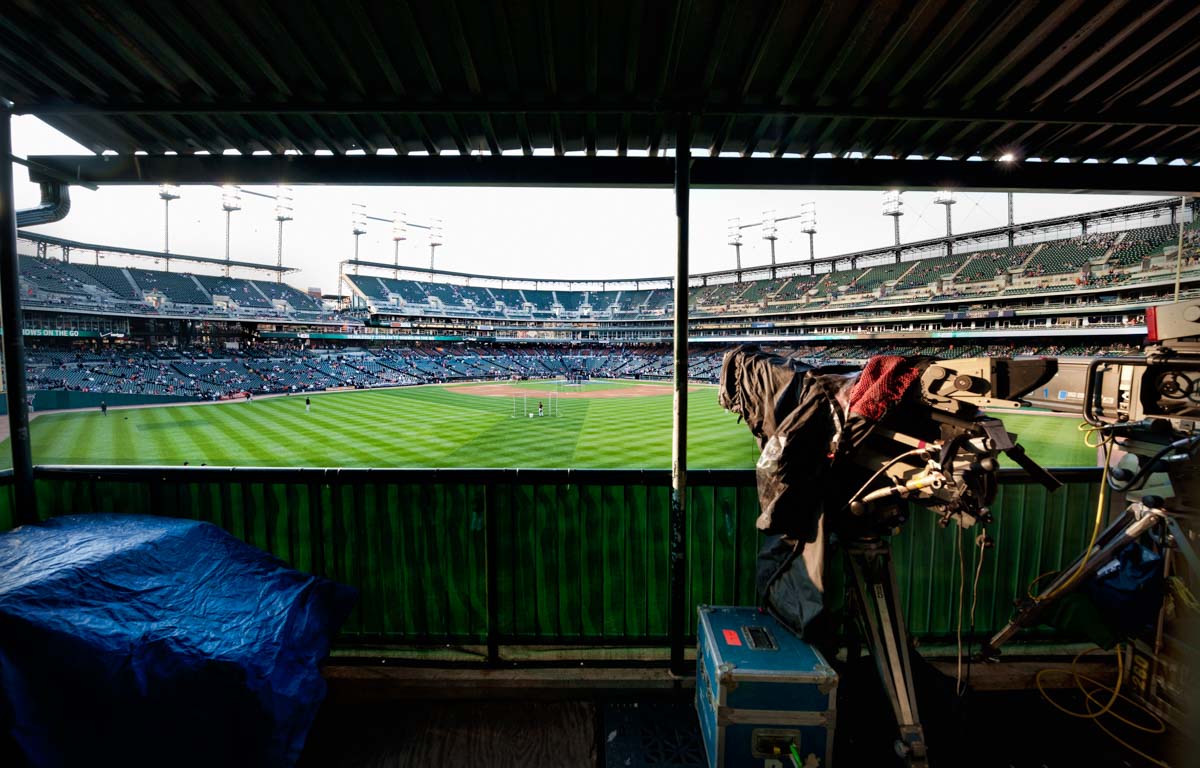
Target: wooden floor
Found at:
635, 719
426, 734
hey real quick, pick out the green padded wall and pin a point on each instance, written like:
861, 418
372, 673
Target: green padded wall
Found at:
567, 557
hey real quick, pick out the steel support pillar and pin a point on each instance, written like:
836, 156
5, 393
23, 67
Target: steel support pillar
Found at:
14, 342
678, 521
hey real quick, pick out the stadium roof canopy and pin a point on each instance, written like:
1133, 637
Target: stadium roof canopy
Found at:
1098, 86
75, 245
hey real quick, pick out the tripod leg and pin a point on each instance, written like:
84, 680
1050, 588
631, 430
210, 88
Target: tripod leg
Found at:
876, 597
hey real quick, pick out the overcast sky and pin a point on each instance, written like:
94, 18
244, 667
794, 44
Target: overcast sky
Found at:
523, 232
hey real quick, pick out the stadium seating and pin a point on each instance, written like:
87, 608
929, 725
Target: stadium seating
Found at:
1099, 261
569, 300
241, 292
41, 274
178, 288
991, 264
756, 290
298, 300
843, 277
267, 368
659, 299
632, 301
511, 298
719, 293
443, 292
481, 297
114, 279
542, 301
926, 271
408, 290
371, 287
601, 301
879, 275
1067, 256
797, 287
1136, 244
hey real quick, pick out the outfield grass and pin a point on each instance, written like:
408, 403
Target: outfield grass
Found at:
559, 386
1052, 440
440, 427
409, 427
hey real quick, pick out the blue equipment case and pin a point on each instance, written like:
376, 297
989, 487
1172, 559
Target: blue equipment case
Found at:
759, 689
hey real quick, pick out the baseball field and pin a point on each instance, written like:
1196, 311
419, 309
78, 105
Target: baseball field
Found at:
596, 425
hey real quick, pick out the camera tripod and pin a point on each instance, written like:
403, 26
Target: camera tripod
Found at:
875, 598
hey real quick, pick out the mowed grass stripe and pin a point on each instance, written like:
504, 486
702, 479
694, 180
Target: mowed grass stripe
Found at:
272, 437
347, 418
526, 442
74, 433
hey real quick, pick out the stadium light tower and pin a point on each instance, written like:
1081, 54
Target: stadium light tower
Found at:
893, 206
167, 192
770, 233
231, 200
283, 212
735, 239
358, 225
435, 239
399, 232
808, 225
1011, 231
946, 197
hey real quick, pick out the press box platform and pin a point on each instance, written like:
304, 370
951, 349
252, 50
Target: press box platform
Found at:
759, 689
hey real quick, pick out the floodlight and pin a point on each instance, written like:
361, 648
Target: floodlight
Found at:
944, 197
283, 203
770, 227
358, 218
892, 204
734, 231
231, 198
435, 232
399, 226
168, 192
808, 217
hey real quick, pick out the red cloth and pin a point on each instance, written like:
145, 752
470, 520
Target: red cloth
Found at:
881, 384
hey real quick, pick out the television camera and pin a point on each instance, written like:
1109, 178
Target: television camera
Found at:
1146, 411
904, 430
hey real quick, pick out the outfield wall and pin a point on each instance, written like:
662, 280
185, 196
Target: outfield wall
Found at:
560, 558
58, 400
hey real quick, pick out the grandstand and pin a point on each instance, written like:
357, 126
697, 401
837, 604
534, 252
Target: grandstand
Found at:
1052, 286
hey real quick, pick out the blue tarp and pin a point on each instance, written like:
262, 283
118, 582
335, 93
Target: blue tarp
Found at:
133, 640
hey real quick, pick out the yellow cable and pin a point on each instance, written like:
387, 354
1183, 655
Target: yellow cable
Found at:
1090, 699
1036, 581
1075, 576
1182, 593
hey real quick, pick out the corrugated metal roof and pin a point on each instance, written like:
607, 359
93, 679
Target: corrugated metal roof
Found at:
1064, 78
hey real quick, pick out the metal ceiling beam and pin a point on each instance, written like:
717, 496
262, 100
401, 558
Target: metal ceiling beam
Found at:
760, 173
1130, 58
1081, 115
511, 77
1114, 42
203, 50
